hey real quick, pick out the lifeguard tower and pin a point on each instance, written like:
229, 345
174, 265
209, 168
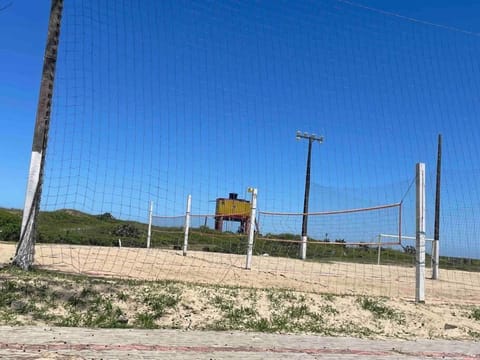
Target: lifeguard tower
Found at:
233, 209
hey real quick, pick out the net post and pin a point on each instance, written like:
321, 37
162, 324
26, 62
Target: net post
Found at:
26, 245
251, 229
379, 248
420, 234
303, 247
400, 223
150, 216
187, 224
435, 259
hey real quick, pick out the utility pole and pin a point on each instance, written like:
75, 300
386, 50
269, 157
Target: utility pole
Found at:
26, 244
311, 138
436, 235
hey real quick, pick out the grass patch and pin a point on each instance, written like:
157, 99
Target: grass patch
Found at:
328, 297
474, 334
240, 315
288, 311
381, 311
475, 314
122, 296
145, 320
328, 309
76, 301
278, 298
159, 303
223, 303
297, 311
46, 298
260, 325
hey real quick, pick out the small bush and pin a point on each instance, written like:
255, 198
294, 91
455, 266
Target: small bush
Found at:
9, 226
409, 249
475, 314
105, 217
380, 310
126, 230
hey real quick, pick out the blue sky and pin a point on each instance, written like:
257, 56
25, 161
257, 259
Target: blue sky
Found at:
156, 100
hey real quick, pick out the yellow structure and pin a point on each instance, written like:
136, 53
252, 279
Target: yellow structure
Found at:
232, 209
227, 207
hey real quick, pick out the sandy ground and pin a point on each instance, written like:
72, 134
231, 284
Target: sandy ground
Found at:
207, 302
228, 269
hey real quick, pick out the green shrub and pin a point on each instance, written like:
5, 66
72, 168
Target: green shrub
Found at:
9, 226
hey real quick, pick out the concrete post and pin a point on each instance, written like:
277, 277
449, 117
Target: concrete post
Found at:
251, 230
187, 224
420, 234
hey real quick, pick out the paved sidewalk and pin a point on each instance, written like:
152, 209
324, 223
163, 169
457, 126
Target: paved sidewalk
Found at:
79, 344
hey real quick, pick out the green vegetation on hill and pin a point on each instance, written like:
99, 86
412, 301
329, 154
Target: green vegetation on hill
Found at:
74, 227
10, 222
78, 228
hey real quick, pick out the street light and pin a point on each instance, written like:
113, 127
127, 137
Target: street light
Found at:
311, 138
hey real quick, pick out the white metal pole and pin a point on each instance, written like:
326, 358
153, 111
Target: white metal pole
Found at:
251, 230
187, 224
420, 234
379, 248
150, 216
303, 247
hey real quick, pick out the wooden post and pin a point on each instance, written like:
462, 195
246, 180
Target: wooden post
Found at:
420, 234
26, 244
